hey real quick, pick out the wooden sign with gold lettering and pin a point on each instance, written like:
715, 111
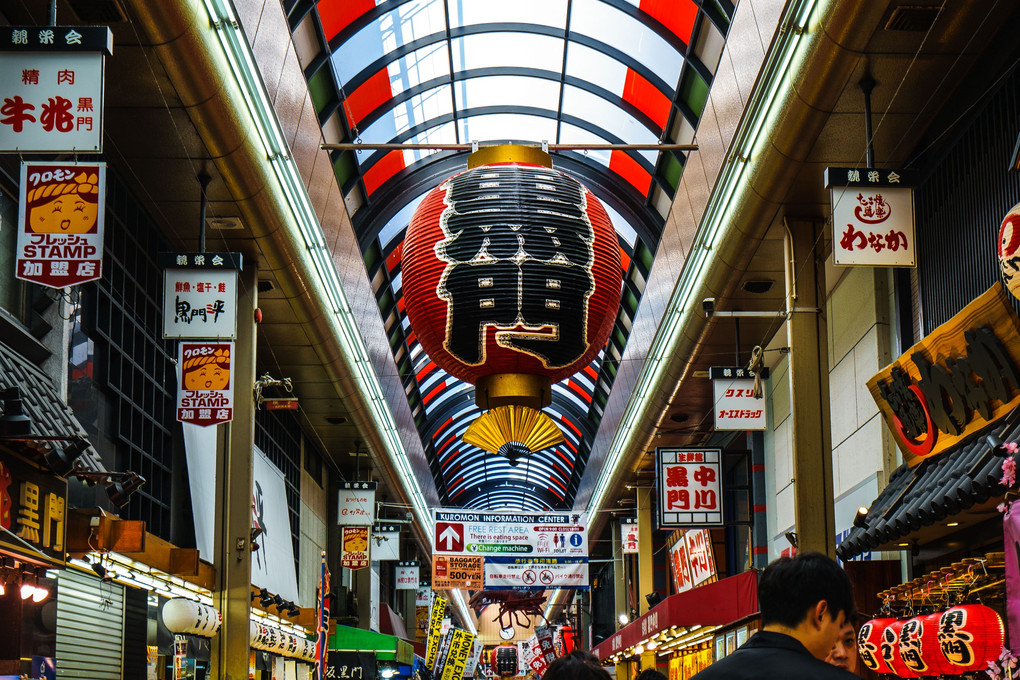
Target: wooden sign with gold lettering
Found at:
958, 379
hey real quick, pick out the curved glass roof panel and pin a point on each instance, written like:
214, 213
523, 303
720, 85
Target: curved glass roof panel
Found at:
547, 12
507, 49
507, 126
584, 105
630, 36
422, 65
474, 93
405, 115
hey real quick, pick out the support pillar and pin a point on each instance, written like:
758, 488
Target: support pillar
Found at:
232, 597
806, 338
645, 578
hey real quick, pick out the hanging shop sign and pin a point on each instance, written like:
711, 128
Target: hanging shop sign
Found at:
473, 658
524, 573
735, 406
200, 295
406, 576
522, 533
457, 571
205, 392
356, 503
272, 564
354, 547
61, 214
690, 487
958, 379
1009, 250
385, 543
51, 88
546, 649
872, 217
692, 559
629, 535
351, 666
33, 511
459, 649
435, 630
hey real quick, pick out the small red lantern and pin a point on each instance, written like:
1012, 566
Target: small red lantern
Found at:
511, 267
930, 651
970, 636
890, 647
869, 645
919, 648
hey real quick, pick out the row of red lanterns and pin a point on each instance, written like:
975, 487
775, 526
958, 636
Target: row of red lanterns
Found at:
959, 640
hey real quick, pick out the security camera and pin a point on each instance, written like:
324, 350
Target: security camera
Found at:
708, 304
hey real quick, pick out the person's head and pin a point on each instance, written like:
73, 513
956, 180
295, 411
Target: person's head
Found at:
844, 653
577, 665
809, 597
650, 674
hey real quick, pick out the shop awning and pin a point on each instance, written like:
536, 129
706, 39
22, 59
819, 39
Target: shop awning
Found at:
715, 604
385, 647
933, 490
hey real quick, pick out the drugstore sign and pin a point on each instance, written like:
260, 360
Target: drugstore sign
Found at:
964, 375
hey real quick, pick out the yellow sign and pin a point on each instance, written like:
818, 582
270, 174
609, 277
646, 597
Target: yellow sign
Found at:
457, 571
961, 377
435, 628
461, 644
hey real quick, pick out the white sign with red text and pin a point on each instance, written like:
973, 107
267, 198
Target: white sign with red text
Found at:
680, 565
205, 394
524, 573
406, 577
629, 537
200, 303
872, 217
554, 534
61, 211
735, 406
690, 487
700, 555
356, 503
51, 102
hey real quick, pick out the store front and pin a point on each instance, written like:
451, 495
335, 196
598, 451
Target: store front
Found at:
950, 403
365, 654
681, 629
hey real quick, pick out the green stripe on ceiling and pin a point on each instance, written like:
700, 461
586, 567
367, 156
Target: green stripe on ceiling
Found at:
345, 167
693, 91
320, 87
671, 170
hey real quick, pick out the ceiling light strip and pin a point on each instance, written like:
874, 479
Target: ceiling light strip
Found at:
758, 117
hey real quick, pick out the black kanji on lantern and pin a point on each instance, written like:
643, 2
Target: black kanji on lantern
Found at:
519, 252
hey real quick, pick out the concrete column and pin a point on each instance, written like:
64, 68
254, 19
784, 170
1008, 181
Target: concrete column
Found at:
809, 393
644, 576
232, 597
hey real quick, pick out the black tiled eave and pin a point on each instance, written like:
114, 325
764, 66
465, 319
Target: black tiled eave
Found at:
934, 490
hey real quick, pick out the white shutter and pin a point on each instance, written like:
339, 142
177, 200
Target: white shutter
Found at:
90, 627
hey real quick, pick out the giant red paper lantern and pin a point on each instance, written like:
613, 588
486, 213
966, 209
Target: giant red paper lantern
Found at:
970, 636
511, 276
869, 644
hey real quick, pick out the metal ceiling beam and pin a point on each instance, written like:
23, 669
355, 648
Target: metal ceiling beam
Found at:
407, 146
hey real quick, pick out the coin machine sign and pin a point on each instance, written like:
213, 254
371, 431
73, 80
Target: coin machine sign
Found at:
51, 88
61, 213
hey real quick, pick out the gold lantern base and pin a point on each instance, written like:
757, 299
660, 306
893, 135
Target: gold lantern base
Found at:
513, 432
513, 389
509, 153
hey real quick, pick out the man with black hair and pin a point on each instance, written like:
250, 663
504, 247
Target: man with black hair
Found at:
804, 602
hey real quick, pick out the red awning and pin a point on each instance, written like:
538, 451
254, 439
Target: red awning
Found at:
715, 604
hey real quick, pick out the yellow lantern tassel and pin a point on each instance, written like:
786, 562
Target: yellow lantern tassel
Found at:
513, 431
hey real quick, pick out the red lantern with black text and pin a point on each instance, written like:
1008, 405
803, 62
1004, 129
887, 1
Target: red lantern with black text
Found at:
511, 277
504, 661
919, 649
970, 636
890, 647
930, 651
869, 645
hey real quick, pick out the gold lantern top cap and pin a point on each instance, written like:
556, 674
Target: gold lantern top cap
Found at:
509, 153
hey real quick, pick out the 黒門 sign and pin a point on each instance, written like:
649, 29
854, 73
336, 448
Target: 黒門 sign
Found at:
629, 536
205, 395
872, 217
61, 212
356, 503
690, 487
735, 406
51, 88
692, 559
200, 295
33, 510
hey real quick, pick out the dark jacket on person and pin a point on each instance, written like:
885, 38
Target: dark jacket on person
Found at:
768, 656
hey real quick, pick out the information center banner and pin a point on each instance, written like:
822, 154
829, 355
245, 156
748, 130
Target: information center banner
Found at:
522, 573
509, 534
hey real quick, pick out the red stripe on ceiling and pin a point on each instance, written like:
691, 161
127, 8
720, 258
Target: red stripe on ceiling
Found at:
591, 372
676, 15
629, 169
400, 305
554, 492
458, 493
449, 460
581, 392
624, 262
429, 367
336, 15
389, 165
393, 260
570, 466
435, 392
411, 337
646, 97
571, 426
558, 483
570, 445
372, 94
442, 447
